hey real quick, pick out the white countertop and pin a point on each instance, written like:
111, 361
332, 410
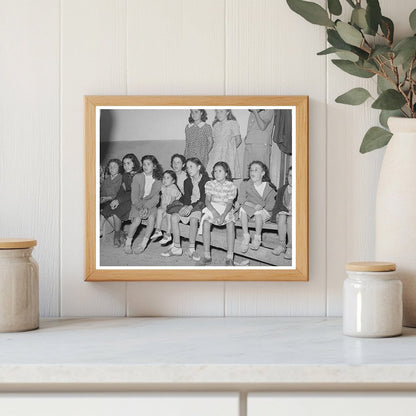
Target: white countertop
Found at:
204, 351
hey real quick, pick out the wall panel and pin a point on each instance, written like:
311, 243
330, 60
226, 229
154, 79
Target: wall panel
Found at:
175, 48
29, 135
265, 56
93, 63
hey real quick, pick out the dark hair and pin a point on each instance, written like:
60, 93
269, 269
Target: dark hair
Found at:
224, 165
119, 164
230, 116
133, 158
195, 160
157, 171
181, 157
172, 174
204, 116
266, 176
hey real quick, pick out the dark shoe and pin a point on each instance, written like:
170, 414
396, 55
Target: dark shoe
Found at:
205, 261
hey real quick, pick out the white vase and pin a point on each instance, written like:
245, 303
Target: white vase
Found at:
396, 210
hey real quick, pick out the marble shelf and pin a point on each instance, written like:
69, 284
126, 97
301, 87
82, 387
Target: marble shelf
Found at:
159, 352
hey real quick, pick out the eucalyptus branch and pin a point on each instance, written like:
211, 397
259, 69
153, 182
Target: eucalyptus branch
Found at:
368, 34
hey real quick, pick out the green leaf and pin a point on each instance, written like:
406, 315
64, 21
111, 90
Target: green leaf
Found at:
358, 18
387, 27
349, 34
389, 100
327, 51
383, 84
347, 55
352, 68
336, 41
373, 15
405, 51
412, 20
375, 138
311, 12
334, 7
381, 50
355, 96
386, 114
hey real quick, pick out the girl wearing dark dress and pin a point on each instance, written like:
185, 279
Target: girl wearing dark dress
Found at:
120, 206
110, 186
191, 204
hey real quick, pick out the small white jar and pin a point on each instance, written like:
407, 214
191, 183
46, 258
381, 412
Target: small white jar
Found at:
19, 286
372, 300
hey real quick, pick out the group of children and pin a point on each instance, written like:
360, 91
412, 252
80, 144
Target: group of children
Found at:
187, 193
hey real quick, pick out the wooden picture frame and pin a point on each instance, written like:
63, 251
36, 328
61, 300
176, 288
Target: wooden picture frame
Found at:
114, 125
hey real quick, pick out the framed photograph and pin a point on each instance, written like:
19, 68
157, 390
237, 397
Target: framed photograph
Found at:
196, 188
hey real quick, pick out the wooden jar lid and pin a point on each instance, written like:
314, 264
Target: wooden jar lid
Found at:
11, 243
371, 266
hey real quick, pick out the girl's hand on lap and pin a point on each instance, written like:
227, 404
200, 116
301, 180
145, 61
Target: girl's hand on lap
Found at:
114, 204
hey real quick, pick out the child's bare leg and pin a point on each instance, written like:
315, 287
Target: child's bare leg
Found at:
168, 223
159, 218
244, 221
230, 240
255, 245
175, 230
117, 223
246, 236
117, 228
206, 234
193, 229
132, 230
281, 229
151, 219
102, 222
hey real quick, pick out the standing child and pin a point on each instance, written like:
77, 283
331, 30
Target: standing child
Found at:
282, 212
120, 206
256, 199
145, 191
226, 136
198, 136
170, 192
178, 164
192, 201
109, 187
220, 194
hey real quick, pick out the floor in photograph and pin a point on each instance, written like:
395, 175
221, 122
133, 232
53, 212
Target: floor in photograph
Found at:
113, 256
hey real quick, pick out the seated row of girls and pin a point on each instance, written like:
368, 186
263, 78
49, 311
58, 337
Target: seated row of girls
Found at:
138, 195
256, 200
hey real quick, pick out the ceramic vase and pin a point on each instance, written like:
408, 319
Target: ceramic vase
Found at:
396, 210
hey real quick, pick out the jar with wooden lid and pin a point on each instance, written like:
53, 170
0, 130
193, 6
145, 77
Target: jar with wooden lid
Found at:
19, 286
372, 300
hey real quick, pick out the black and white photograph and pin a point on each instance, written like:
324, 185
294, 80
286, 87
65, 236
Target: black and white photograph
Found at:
196, 187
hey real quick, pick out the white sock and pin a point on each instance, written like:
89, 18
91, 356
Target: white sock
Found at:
129, 241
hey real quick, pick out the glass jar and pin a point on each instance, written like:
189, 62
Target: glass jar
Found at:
19, 286
372, 300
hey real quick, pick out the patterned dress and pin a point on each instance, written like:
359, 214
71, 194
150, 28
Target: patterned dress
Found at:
197, 138
224, 148
221, 194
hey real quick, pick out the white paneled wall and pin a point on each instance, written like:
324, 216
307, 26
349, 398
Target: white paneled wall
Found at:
55, 52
